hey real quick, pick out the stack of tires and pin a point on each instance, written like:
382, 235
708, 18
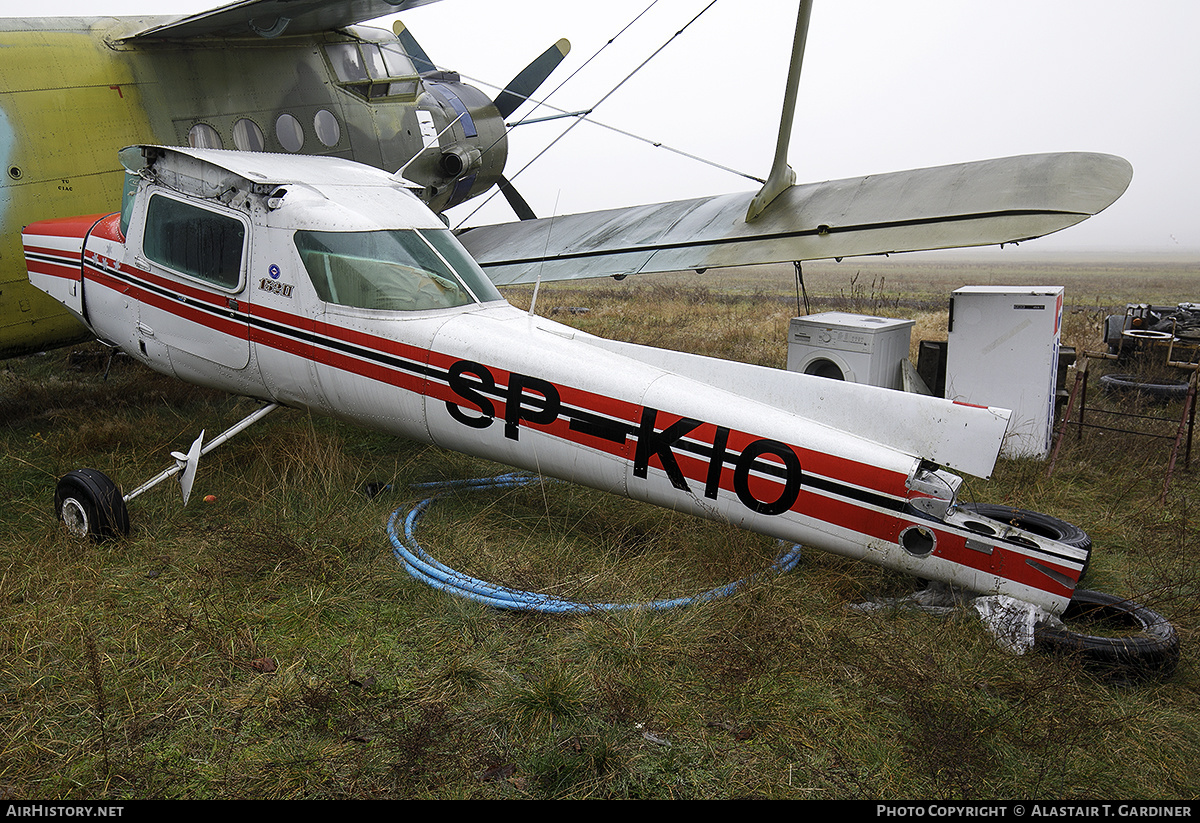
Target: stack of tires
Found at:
1136, 640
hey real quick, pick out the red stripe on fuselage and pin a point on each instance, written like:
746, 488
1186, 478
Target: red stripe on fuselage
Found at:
858, 517
63, 270
65, 256
193, 292
224, 325
65, 226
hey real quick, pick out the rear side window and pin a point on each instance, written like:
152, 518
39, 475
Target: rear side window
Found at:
128, 197
194, 241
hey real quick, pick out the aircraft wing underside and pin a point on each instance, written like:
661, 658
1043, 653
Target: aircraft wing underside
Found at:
270, 18
969, 204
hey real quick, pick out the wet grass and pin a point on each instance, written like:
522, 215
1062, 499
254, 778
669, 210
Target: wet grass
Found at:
267, 644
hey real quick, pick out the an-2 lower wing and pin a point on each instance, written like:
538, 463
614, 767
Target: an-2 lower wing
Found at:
969, 204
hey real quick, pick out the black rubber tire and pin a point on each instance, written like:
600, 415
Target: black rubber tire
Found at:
90, 505
1043, 525
1152, 652
1130, 383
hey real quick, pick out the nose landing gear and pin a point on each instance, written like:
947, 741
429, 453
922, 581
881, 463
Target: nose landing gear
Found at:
90, 505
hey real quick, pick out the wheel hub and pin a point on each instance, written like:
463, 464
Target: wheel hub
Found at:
75, 517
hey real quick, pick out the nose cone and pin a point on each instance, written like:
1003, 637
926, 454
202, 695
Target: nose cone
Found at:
466, 144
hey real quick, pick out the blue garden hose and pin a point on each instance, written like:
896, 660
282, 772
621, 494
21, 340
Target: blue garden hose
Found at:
425, 568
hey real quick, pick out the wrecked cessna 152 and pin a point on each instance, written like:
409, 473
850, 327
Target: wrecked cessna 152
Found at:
323, 284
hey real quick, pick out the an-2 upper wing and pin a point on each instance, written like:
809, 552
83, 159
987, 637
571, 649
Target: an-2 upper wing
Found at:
969, 204
270, 18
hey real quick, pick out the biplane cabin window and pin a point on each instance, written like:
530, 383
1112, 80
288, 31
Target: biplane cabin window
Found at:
247, 135
327, 127
397, 270
373, 70
204, 136
194, 241
289, 132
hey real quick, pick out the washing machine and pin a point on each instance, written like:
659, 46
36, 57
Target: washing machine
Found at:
852, 347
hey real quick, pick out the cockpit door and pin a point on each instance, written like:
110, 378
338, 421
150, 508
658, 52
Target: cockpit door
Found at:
193, 261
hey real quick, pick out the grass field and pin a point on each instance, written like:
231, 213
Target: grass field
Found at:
268, 645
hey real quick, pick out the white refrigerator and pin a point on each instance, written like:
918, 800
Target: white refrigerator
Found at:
1002, 350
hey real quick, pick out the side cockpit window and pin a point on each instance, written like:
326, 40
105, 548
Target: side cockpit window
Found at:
195, 241
396, 270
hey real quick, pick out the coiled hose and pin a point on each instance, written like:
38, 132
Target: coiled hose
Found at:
425, 568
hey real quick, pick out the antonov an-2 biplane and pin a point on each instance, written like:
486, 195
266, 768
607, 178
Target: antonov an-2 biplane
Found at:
329, 285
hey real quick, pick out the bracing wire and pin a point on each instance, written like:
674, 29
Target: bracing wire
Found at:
560, 112
543, 101
589, 61
587, 113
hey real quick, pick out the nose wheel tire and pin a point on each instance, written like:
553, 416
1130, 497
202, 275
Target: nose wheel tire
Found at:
1122, 635
90, 505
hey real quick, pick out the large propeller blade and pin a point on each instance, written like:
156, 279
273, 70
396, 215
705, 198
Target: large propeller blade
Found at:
515, 200
517, 92
413, 49
526, 83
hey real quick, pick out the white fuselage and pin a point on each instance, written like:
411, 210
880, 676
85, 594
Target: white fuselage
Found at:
833, 466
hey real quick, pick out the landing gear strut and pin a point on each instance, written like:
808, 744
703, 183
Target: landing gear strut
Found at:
90, 505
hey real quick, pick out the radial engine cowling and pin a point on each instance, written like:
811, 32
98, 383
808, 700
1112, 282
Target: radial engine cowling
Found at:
469, 156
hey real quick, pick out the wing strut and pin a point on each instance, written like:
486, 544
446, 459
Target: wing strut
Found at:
782, 176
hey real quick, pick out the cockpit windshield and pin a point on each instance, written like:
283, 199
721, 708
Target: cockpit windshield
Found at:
397, 270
